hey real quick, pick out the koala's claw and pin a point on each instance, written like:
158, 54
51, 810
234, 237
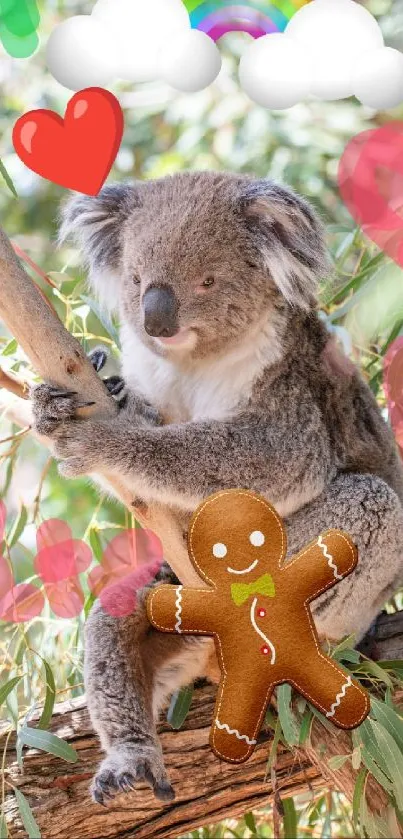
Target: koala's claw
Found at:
98, 358
121, 771
115, 385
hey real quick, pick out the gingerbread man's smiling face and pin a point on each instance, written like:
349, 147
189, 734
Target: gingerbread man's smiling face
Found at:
236, 536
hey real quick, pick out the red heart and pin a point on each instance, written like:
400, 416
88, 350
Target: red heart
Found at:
76, 152
371, 184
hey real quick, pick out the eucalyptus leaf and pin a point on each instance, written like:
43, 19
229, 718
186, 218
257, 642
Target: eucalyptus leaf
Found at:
179, 707
9, 181
273, 749
27, 816
48, 742
315, 812
50, 696
372, 766
349, 656
89, 604
346, 644
288, 721
6, 689
10, 348
337, 761
394, 758
390, 719
371, 745
18, 527
358, 794
251, 823
373, 668
322, 719
305, 727
96, 544
3, 827
290, 819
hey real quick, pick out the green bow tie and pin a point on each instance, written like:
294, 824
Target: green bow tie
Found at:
263, 585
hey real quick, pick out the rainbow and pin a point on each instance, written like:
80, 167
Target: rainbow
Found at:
256, 17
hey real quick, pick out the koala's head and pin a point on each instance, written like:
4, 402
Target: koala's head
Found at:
198, 262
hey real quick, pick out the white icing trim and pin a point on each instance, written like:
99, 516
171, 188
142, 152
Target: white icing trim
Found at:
245, 570
339, 697
259, 631
178, 613
224, 726
329, 558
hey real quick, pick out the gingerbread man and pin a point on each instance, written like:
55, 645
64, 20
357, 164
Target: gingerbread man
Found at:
257, 609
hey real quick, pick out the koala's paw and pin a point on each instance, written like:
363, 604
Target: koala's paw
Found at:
52, 406
127, 765
140, 412
78, 442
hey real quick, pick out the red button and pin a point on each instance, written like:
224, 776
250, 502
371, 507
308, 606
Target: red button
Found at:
264, 650
262, 613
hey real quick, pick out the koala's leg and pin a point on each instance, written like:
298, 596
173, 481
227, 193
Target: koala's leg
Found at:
369, 510
130, 669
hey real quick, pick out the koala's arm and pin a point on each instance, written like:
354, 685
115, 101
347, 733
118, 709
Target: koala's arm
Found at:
178, 609
322, 564
183, 463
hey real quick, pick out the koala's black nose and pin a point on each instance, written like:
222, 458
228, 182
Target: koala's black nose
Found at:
160, 312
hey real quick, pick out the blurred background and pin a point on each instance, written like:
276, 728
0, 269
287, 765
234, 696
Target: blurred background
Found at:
166, 132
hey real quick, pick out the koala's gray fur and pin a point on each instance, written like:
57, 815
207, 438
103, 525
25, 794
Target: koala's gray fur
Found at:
255, 395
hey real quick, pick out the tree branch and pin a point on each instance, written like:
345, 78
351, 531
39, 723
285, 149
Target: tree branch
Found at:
207, 789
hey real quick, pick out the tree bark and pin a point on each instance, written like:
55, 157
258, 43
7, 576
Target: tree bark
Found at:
207, 790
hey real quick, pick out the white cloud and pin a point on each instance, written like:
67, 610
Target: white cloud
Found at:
331, 49
134, 40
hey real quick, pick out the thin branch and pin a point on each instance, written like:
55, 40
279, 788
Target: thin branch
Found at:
13, 385
16, 436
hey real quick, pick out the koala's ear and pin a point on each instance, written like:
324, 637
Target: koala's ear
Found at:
96, 225
290, 238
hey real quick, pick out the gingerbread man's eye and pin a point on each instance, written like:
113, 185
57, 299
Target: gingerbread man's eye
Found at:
257, 539
219, 550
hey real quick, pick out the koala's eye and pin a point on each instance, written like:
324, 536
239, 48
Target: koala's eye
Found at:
257, 539
219, 550
208, 282
136, 279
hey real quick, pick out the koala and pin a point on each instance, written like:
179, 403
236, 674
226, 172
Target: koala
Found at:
231, 380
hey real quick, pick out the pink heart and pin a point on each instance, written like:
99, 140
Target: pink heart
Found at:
370, 180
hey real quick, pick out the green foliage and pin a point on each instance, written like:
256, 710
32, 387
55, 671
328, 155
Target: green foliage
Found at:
290, 819
179, 707
286, 715
27, 816
8, 180
47, 742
